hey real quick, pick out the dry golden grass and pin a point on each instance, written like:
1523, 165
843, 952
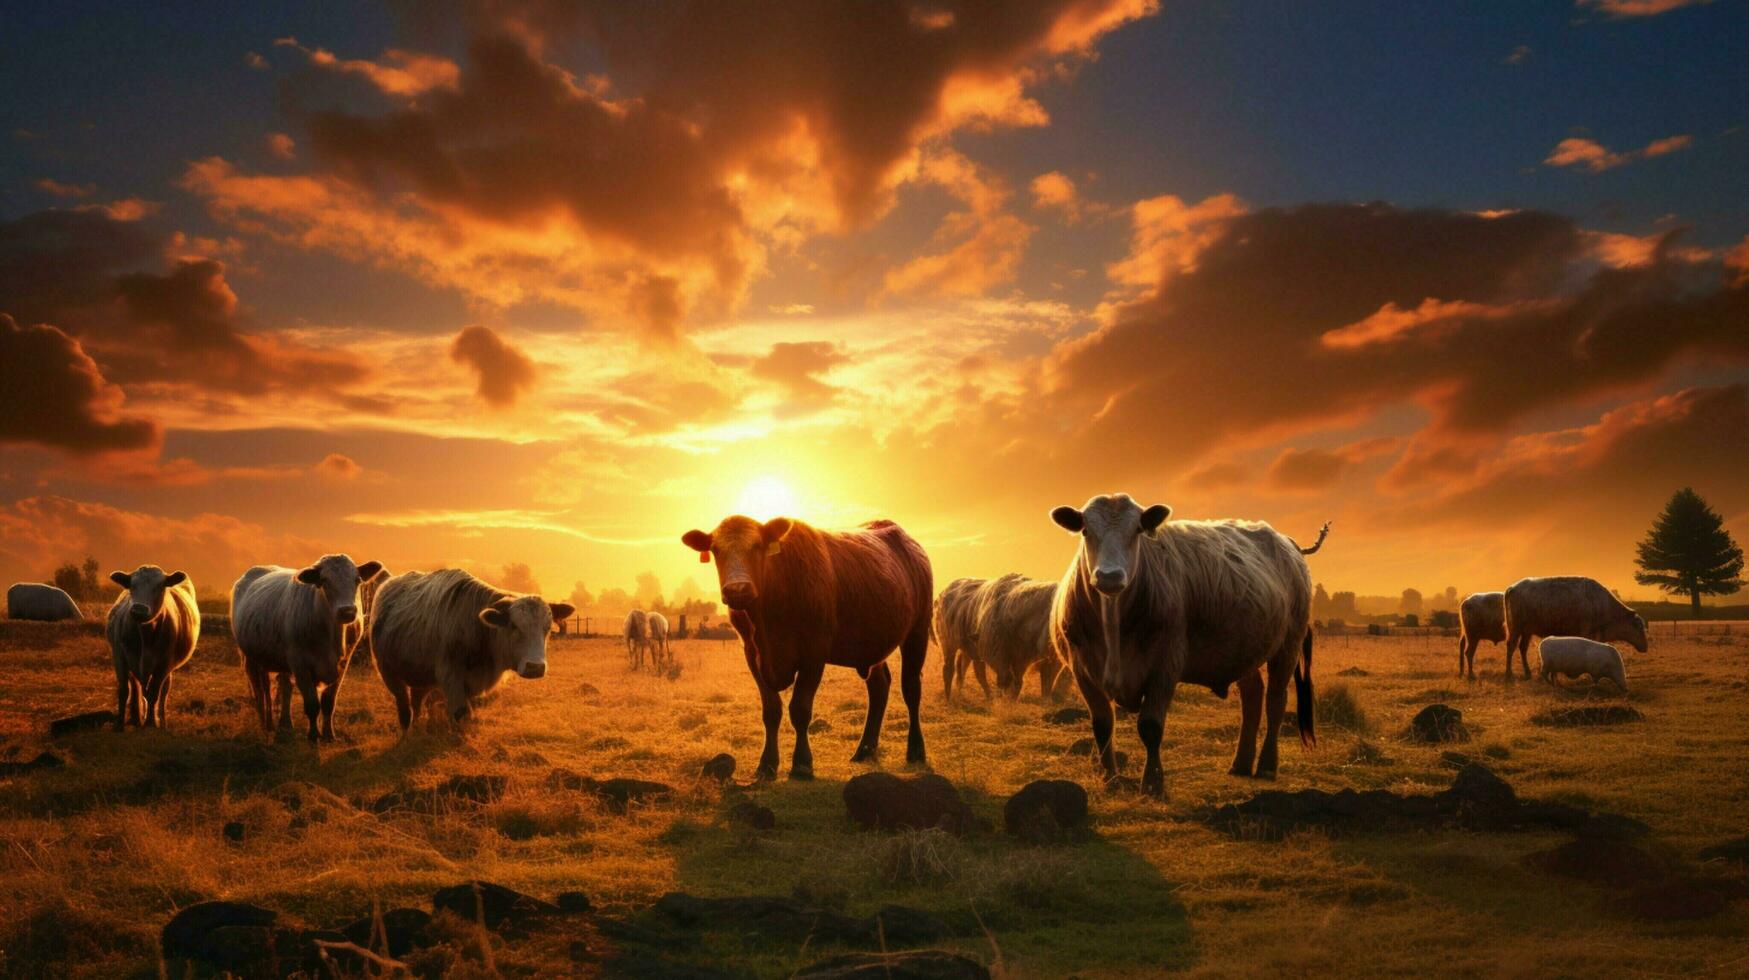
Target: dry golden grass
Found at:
98, 854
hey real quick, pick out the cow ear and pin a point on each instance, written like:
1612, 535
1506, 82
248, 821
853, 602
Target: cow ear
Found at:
1068, 518
1155, 516
562, 610
122, 579
776, 529
494, 617
698, 541
175, 578
369, 570
310, 576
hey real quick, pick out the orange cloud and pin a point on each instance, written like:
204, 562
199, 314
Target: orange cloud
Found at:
403, 73
1594, 157
49, 185
1622, 9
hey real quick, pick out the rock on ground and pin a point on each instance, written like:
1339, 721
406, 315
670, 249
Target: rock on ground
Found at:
494, 905
1046, 809
883, 801
1439, 723
1587, 715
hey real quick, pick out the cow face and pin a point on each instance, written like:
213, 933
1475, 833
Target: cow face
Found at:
1111, 529
337, 579
526, 620
1630, 630
741, 547
146, 590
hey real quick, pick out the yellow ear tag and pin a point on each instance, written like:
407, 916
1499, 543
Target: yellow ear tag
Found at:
774, 548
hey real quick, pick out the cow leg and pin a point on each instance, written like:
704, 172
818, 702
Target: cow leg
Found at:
123, 699
153, 690
1099, 707
1281, 670
880, 682
312, 701
912, 653
1049, 672
983, 680
285, 693
1250, 715
163, 699
1463, 651
329, 694
1511, 644
801, 712
947, 665
1524, 657
258, 699
403, 706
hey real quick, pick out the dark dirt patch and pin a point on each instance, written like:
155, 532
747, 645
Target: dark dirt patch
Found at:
1438, 723
883, 801
1067, 716
1046, 809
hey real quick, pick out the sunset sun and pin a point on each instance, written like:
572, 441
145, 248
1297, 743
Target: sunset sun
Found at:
766, 497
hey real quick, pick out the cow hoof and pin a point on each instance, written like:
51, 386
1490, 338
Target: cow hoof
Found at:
1268, 774
801, 773
1238, 770
865, 753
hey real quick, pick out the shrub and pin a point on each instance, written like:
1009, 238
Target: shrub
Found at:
1338, 707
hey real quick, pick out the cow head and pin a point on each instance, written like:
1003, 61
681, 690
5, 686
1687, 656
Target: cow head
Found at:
337, 579
146, 589
1630, 630
1111, 529
526, 620
741, 546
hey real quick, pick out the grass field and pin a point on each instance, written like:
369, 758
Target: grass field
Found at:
98, 853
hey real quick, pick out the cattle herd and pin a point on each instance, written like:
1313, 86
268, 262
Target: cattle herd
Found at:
1144, 605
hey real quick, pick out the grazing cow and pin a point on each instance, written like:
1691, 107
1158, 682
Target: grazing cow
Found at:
44, 603
1566, 605
955, 631
1146, 605
301, 626
657, 625
1481, 616
450, 632
1575, 655
637, 635
1014, 633
153, 627
803, 598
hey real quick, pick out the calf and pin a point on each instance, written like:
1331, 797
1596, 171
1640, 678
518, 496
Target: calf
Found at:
1566, 605
301, 626
448, 631
1575, 655
153, 627
1146, 605
1481, 616
803, 598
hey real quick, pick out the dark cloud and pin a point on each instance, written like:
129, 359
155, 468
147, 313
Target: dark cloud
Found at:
55, 396
1332, 313
503, 372
797, 367
1301, 470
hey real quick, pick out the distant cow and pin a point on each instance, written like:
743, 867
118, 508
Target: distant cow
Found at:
45, 603
1573, 656
1566, 605
301, 626
153, 627
1482, 616
637, 637
1014, 633
657, 625
450, 632
955, 632
1146, 605
802, 598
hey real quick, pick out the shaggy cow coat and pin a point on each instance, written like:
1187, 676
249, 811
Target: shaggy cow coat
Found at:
448, 631
803, 598
1014, 633
637, 636
1146, 605
955, 631
1573, 656
153, 627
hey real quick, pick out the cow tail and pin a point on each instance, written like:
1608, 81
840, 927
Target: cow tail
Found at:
1323, 533
1304, 709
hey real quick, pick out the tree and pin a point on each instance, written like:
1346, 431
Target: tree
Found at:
68, 580
649, 589
90, 577
1320, 601
1342, 604
1689, 552
1412, 602
581, 597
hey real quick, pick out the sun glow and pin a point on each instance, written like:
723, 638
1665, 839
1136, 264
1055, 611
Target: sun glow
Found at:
765, 498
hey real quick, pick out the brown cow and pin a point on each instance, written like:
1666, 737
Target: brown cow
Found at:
1566, 605
153, 627
1481, 616
1145, 605
802, 598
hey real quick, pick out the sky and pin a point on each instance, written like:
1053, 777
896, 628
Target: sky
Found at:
533, 282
